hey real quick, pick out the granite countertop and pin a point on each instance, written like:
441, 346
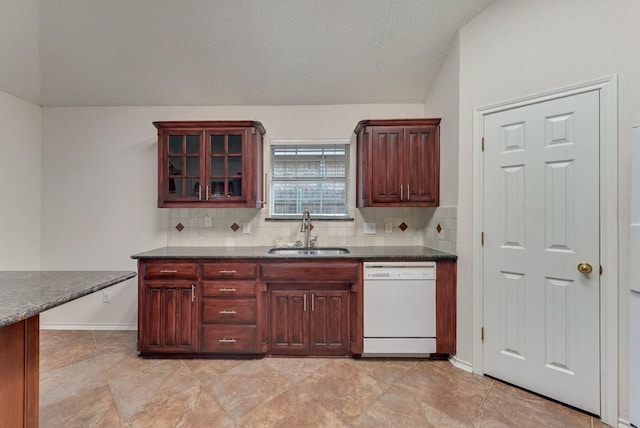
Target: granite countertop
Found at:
361, 253
24, 294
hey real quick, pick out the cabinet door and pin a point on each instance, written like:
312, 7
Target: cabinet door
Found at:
227, 165
169, 317
210, 163
180, 166
289, 326
387, 163
421, 172
329, 322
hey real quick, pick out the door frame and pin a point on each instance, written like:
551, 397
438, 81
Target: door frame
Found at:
608, 91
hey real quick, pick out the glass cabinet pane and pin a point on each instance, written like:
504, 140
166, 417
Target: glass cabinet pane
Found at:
175, 143
217, 166
193, 166
235, 144
235, 165
193, 144
217, 145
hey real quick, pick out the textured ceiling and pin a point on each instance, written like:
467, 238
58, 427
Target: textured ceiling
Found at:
251, 52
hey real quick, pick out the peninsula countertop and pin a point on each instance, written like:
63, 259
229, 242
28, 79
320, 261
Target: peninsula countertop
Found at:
262, 252
24, 294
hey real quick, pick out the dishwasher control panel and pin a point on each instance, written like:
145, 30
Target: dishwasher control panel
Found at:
399, 271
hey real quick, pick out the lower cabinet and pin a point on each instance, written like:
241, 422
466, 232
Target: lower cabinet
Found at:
168, 322
278, 307
309, 322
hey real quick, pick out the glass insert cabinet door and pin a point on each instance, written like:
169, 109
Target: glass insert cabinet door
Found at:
210, 164
225, 163
184, 157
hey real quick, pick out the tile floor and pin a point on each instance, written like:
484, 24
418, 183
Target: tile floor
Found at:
95, 379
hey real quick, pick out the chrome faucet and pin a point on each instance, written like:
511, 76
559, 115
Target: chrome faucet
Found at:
306, 228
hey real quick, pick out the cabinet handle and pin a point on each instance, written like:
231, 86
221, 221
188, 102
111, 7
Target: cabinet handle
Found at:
199, 192
408, 193
313, 303
225, 311
206, 193
304, 303
264, 191
228, 271
193, 293
228, 290
168, 271
227, 340
401, 195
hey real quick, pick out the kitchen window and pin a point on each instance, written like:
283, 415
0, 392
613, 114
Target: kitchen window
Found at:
311, 175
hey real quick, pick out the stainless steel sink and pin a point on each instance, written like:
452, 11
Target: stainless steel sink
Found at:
309, 251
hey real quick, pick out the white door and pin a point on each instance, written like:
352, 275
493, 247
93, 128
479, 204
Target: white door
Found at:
541, 221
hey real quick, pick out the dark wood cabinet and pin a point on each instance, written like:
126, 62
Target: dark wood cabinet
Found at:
230, 308
309, 322
210, 164
266, 306
446, 303
19, 373
310, 307
329, 322
398, 163
167, 307
289, 321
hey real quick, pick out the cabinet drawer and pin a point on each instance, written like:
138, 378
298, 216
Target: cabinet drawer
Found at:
229, 311
228, 289
171, 270
230, 270
225, 338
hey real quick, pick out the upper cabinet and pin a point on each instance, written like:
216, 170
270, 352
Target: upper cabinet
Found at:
210, 164
398, 163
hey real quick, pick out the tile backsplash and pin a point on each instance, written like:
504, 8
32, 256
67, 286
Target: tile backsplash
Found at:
215, 227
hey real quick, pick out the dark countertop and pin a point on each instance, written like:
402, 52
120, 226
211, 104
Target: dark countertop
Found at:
361, 253
24, 294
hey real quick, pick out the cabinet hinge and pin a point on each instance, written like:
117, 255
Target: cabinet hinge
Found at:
481, 238
483, 144
482, 334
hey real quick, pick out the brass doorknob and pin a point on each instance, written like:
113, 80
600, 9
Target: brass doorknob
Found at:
584, 268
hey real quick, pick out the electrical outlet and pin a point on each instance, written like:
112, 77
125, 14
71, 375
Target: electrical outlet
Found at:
106, 296
369, 228
208, 221
388, 228
246, 228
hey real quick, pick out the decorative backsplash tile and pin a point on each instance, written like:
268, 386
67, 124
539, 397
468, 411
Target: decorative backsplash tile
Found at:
214, 227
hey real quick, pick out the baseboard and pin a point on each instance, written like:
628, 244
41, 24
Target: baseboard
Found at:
53, 326
460, 364
624, 424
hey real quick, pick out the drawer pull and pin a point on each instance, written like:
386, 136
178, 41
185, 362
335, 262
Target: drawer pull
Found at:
228, 271
228, 290
225, 311
227, 341
168, 271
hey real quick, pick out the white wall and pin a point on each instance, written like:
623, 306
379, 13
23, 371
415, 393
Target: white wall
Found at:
20, 49
516, 49
443, 101
20, 146
100, 187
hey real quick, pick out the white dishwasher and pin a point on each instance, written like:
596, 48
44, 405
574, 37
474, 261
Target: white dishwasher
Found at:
399, 309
